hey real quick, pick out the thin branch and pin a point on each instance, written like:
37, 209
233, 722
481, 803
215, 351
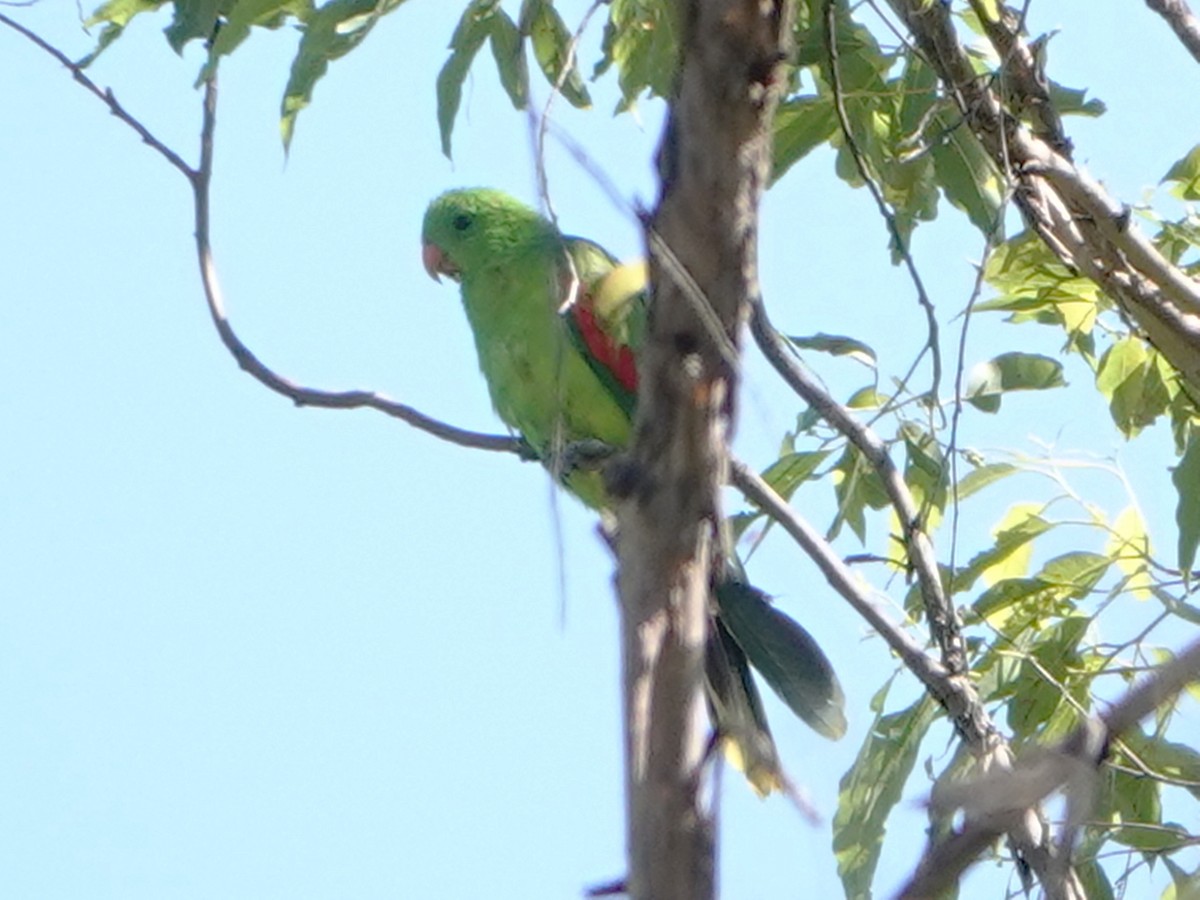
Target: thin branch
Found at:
936, 678
105, 96
943, 621
992, 801
253, 366
898, 240
1182, 21
200, 179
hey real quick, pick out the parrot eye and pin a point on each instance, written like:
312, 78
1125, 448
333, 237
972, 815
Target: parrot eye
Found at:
462, 222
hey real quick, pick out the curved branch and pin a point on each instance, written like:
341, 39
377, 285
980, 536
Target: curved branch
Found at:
943, 621
200, 178
253, 366
936, 677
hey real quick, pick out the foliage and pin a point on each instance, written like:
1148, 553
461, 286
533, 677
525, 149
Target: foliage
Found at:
1035, 592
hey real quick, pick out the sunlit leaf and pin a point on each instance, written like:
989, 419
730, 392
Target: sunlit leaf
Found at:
1128, 375
837, 345
1009, 556
1008, 372
790, 471
1184, 176
1077, 572
1129, 547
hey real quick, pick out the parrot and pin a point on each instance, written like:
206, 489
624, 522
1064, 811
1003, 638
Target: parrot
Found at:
557, 322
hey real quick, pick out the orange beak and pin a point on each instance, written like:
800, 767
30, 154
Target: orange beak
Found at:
438, 263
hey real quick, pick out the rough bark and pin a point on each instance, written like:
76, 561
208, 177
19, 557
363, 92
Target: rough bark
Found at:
713, 164
1079, 220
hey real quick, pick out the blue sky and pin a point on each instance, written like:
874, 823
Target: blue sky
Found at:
249, 650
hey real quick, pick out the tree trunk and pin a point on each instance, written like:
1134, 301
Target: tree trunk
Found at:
713, 164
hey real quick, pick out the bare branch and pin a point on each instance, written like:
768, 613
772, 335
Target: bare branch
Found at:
253, 366
943, 621
200, 179
105, 96
1182, 21
1081, 223
993, 802
899, 242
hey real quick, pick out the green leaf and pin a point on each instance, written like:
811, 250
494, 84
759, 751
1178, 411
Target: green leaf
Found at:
1168, 759
331, 32
194, 20
966, 174
473, 29
1186, 478
789, 471
1077, 572
1006, 593
1057, 654
640, 41
115, 16
1008, 372
551, 39
979, 478
1184, 176
1074, 102
786, 655
1129, 376
925, 473
856, 485
801, 124
837, 345
1009, 540
247, 14
508, 49
872, 787
868, 398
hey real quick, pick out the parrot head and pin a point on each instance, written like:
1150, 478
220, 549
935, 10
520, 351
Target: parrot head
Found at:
466, 231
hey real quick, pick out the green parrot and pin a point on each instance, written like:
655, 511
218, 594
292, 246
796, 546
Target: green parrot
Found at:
557, 323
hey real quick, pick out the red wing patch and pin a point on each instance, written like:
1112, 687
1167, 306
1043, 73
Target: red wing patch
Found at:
617, 358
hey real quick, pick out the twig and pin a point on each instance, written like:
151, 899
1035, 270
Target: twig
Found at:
943, 621
932, 342
199, 179
994, 801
